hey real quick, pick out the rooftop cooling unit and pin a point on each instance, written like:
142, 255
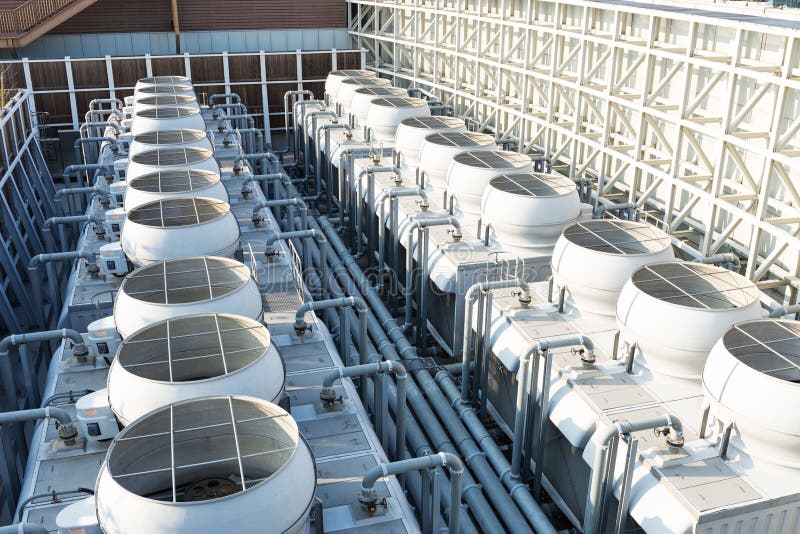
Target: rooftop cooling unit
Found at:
348, 87
363, 97
385, 115
185, 286
193, 356
675, 312
167, 118
470, 173
611, 250
335, 78
228, 464
178, 227
163, 80
170, 139
151, 90
187, 183
750, 379
411, 134
530, 210
161, 101
172, 158
438, 149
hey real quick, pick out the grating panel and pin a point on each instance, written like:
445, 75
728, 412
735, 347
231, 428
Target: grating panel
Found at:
182, 181
169, 137
460, 139
353, 73
167, 112
164, 89
164, 157
195, 347
166, 80
493, 159
173, 212
366, 80
166, 100
186, 280
399, 102
381, 91
202, 449
617, 237
432, 123
695, 285
533, 184
770, 346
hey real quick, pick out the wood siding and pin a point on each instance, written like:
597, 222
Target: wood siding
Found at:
155, 15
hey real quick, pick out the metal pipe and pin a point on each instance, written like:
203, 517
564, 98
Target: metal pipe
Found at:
116, 101
288, 202
299, 111
785, 310
219, 96
21, 416
35, 275
369, 497
53, 495
369, 172
345, 173
388, 366
116, 128
502, 501
271, 177
470, 297
329, 170
315, 115
71, 396
312, 233
392, 194
601, 438
300, 324
97, 220
80, 141
24, 528
293, 97
433, 429
601, 209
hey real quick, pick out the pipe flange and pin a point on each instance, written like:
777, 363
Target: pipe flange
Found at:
271, 253
81, 352
329, 398
246, 193
220, 126
300, 327
68, 434
370, 502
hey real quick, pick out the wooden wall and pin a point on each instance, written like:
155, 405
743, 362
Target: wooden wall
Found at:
155, 15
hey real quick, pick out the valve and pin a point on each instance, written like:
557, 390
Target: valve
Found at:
329, 398
81, 352
423, 205
246, 193
271, 253
300, 327
674, 439
257, 219
369, 500
587, 357
456, 235
237, 168
68, 434
220, 127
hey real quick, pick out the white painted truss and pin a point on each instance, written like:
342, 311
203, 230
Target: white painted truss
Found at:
691, 113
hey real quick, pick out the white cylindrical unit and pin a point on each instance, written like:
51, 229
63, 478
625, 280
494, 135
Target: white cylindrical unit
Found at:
530, 210
167, 118
411, 135
470, 173
335, 78
752, 379
162, 101
172, 158
163, 80
385, 115
363, 97
438, 149
193, 356
150, 90
174, 184
178, 227
185, 286
230, 464
169, 138
676, 311
348, 87
594, 259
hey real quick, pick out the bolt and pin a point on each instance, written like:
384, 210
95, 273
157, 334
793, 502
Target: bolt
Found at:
68, 434
245, 193
271, 253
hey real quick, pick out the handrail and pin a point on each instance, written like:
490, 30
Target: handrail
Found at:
27, 16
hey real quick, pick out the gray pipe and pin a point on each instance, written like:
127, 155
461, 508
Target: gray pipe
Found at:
16, 340
53, 495
370, 369
76, 146
326, 128
601, 209
299, 122
345, 171
292, 96
602, 437
472, 493
21, 416
72, 397
369, 172
369, 497
300, 324
491, 484
392, 194
317, 235
784, 310
271, 177
24, 528
116, 101
417, 440
469, 300
315, 115
35, 275
288, 202
97, 220
219, 96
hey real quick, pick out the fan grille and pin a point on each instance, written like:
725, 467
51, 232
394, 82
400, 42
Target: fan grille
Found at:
770, 346
617, 237
175, 212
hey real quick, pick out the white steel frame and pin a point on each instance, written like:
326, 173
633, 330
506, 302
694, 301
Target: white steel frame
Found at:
690, 114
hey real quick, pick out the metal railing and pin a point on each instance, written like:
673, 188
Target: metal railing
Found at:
30, 14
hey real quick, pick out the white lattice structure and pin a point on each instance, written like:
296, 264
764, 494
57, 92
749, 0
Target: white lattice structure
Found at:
688, 110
